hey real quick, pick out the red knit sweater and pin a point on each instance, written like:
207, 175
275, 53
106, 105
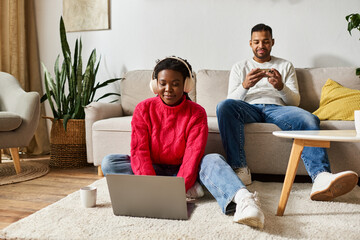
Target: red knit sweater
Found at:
174, 135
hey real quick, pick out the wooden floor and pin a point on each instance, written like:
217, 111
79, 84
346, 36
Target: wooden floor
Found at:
22, 199
19, 200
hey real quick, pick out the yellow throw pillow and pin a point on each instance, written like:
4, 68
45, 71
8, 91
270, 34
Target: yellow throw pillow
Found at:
337, 102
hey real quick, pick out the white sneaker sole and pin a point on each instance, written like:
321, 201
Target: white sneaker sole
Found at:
252, 222
339, 186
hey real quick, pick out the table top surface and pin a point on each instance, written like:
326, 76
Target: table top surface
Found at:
321, 135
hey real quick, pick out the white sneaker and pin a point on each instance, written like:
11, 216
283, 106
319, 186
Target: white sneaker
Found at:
244, 174
328, 186
248, 212
196, 191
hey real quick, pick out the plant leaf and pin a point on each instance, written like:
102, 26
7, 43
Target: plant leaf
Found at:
357, 72
43, 98
71, 90
64, 43
107, 82
65, 121
106, 95
48, 79
353, 22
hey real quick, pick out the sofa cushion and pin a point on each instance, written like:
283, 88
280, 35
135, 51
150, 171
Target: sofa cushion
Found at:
117, 124
251, 127
211, 88
336, 125
311, 81
338, 102
212, 85
134, 89
9, 121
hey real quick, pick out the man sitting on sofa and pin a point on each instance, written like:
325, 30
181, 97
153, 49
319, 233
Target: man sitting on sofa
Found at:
265, 89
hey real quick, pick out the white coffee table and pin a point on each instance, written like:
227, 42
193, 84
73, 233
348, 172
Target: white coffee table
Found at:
320, 138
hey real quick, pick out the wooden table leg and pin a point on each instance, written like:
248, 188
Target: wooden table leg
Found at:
297, 148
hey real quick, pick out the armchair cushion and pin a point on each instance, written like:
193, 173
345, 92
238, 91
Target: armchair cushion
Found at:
9, 121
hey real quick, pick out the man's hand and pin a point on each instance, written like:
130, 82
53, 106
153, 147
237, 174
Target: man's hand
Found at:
275, 79
253, 77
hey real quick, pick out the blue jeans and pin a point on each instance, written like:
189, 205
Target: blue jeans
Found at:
214, 173
233, 114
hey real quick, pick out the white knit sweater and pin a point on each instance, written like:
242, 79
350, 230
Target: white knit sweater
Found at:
263, 92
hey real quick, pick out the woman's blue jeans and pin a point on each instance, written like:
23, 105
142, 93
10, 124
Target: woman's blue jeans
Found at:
214, 173
233, 114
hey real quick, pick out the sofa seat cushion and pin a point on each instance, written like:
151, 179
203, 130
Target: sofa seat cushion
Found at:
249, 128
9, 121
123, 124
117, 124
337, 125
256, 128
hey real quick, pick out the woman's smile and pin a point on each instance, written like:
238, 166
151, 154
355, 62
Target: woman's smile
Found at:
171, 86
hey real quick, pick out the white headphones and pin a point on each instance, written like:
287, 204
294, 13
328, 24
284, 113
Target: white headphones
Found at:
188, 84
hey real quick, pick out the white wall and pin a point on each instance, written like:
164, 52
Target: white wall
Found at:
211, 34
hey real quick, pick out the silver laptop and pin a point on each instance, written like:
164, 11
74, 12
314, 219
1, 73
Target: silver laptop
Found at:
148, 196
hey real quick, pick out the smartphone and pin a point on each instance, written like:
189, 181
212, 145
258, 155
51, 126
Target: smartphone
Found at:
265, 69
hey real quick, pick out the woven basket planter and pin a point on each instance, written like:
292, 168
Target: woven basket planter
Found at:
68, 148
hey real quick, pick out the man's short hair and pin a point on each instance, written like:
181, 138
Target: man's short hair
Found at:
261, 27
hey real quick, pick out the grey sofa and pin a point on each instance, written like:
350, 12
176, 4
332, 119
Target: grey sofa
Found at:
108, 126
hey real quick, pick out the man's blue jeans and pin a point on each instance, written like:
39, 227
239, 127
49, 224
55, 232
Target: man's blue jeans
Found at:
214, 173
233, 114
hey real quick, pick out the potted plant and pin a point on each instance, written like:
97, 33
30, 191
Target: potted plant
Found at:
68, 93
354, 23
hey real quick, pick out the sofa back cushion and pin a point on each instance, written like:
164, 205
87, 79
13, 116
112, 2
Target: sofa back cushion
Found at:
135, 88
212, 85
211, 88
311, 81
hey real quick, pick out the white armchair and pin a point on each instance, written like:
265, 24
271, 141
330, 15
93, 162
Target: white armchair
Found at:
19, 116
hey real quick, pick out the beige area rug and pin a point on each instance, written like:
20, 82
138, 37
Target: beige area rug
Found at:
30, 169
303, 219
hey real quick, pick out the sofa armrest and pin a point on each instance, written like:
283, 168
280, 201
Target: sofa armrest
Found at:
96, 111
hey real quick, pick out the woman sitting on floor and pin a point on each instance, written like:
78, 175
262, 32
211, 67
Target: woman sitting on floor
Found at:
169, 135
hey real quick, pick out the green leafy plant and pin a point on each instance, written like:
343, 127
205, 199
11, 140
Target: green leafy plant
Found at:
69, 103
354, 23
